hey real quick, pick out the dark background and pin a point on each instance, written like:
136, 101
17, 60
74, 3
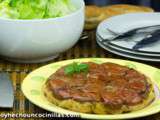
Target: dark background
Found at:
155, 4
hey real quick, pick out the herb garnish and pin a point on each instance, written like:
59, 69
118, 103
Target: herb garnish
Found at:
76, 68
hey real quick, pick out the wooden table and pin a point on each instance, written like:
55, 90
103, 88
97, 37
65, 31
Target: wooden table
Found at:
83, 49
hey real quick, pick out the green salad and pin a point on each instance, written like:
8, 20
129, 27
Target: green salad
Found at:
35, 9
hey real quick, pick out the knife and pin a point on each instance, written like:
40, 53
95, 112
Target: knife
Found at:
130, 33
123, 35
150, 39
6, 91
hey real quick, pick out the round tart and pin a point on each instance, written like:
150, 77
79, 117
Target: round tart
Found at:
105, 88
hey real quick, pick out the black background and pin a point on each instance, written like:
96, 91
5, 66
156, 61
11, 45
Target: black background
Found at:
155, 4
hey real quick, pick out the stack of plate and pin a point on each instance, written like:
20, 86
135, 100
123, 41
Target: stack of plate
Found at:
123, 23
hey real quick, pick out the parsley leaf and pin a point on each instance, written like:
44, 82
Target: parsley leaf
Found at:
76, 68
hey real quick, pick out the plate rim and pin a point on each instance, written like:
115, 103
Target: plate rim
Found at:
128, 50
83, 115
145, 14
127, 55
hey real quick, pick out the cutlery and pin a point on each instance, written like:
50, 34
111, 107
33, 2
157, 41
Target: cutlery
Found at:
6, 91
150, 39
106, 41
84, 36
148, 29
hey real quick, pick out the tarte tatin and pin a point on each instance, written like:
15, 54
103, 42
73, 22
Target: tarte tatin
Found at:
106, 88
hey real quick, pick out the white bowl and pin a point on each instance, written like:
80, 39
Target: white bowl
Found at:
42, 39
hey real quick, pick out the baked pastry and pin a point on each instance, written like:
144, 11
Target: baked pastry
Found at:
106, 88
123, 9
95, 14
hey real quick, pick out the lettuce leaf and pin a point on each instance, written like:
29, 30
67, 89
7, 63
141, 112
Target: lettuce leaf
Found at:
58, 8
6, 11
35, 9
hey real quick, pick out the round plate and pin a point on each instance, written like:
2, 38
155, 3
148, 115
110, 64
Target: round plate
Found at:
125, 22
127, 55
136, 20
127, 50
32, 88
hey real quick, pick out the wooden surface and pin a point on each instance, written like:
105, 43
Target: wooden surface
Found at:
86, 47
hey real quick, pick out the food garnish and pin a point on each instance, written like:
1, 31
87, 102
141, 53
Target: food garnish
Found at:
76, 68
